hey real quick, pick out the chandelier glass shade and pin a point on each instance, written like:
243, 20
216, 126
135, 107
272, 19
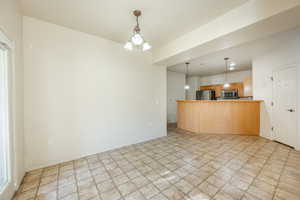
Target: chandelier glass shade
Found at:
137, 39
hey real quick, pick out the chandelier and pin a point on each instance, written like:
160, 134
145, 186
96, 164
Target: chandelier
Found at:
136, 41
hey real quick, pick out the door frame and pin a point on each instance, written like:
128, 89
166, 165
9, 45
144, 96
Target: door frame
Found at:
11, 187
281, 68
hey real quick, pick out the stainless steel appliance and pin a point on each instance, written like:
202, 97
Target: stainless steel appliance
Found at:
229, 94
206, 95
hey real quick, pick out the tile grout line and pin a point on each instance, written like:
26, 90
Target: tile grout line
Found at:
282, 170
76, 180
90, 171
219, 189
135, 167
254, 178
180, 147
40, 180
57, 177
225, 151
151, 182
135, 177
257, 174
228, 149
111, 177
268, 158
173, 171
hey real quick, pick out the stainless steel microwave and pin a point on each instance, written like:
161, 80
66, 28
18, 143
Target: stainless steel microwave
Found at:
205, 95
229, 94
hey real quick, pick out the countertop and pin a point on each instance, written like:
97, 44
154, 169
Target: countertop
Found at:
220, 101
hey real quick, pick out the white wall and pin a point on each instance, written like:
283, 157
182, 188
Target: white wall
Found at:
232, 77
85, 95
285, 55
11, 26
193, 82
196, 81
175, 91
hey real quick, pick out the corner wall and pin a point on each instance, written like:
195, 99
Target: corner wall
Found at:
85, 95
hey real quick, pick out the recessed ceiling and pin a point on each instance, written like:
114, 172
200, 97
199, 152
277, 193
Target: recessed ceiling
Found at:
242, 55
161, 21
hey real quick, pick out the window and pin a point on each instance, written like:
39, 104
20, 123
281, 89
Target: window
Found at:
4, 118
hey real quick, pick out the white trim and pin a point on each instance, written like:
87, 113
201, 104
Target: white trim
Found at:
10, 188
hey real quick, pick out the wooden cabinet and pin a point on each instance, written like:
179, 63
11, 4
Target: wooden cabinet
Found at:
248, 87
218, 88
236, 86
240, 117
244, 88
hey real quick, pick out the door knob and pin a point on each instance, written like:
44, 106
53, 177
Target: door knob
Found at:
291, 110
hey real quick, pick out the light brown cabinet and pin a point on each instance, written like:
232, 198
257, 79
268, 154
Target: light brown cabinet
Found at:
244, 88
248, 87
218, 88
236, 86
240, 117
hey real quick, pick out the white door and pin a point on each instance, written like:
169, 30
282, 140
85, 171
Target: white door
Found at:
284, 111
6, 156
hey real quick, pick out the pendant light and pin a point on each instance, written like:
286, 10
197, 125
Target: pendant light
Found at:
137, 41
232, 66
226, 84
186, 87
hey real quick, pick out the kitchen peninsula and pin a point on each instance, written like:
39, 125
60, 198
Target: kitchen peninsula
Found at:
240, 117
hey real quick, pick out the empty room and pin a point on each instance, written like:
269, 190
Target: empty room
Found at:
149, 100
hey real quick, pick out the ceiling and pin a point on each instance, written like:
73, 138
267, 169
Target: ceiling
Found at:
215, 64
161, 21
242, 55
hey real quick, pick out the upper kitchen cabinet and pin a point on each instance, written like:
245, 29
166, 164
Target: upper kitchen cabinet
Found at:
219, 87
248, 87
235, 86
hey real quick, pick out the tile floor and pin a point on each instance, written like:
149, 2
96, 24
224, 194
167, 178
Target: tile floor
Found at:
179, 166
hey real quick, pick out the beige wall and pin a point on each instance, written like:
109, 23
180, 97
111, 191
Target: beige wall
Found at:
85, 95
11, 26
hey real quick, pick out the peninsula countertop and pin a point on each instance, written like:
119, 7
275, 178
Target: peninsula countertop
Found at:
220, 101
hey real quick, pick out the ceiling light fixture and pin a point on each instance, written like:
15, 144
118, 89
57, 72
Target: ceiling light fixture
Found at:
137, 41
226, 84
186, 87
232, 66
